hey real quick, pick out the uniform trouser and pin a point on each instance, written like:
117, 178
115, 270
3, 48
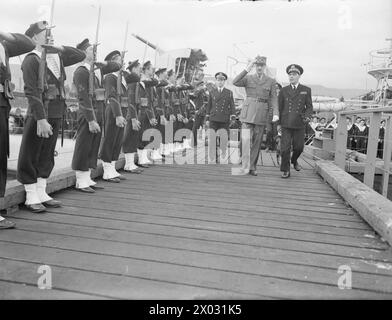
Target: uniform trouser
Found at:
112, 140
177, 125
144, 125
86, 150
36, 154
251, 144
199, 119
294, 138
131, 138
215, 127
161, 128
271, 134
189, 126
4, 147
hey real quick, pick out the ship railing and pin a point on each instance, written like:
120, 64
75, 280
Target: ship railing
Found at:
376, 115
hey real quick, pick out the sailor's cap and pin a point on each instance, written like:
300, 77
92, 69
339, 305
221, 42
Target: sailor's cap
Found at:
132, 64
160, 70
36, 28
294, 68
83, 45
147, 64
112, 55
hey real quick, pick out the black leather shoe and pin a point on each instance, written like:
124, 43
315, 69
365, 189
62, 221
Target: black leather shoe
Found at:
286, 175
114, 180
96, 187
86, 190
36, 208
297, 166
52, 203
137, 171
142, 165
253, 172
6, 224
121, 177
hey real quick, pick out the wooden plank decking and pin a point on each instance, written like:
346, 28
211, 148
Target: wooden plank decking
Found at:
197, 232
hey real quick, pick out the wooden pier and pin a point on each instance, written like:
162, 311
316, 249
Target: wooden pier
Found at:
197, 232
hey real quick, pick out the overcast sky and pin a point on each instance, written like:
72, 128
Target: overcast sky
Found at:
330, 39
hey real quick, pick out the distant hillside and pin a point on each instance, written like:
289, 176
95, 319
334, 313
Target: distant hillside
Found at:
317, 90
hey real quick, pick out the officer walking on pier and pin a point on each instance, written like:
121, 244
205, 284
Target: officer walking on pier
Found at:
295, 110
260, 97
11, 45
220, 109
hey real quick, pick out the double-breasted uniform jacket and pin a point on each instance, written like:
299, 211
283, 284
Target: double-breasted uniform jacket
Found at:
295, 106
260, 98
54, 90
91, 108
220, 105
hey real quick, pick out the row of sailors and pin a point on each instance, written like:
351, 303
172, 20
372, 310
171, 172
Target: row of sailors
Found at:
108, 121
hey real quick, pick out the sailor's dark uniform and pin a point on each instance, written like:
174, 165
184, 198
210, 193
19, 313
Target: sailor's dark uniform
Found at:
22, 44
112, 141
162, 104
90, 108
145, 109
36, 155
199, 98
187, 107
179, 109
131, 137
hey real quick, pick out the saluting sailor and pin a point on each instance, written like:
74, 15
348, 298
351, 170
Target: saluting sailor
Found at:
44, 114
146, 111
260, 98
11, 45
161, 110
114, 122
199, 97
90, 117
295, 110
220, 109
172, 110
133, 127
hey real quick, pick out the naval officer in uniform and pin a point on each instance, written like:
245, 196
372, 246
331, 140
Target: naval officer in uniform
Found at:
260, 98
295, 110
220, 109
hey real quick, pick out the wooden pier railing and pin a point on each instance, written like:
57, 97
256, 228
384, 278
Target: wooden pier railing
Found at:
376, 115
